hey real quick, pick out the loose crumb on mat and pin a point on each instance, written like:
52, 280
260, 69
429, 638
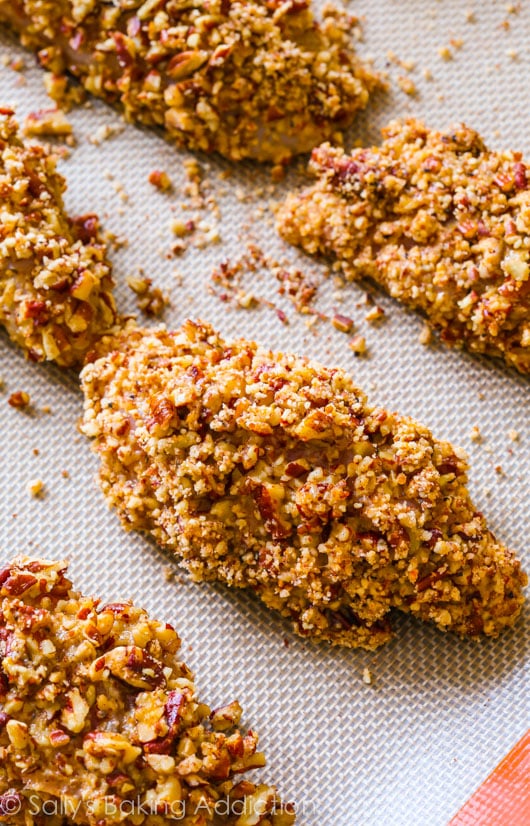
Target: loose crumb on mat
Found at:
36, 487
20, 400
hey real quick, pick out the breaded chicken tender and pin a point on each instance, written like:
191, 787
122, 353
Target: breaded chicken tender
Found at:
436, 219
270, 472
99, 719
259, 79
55, 281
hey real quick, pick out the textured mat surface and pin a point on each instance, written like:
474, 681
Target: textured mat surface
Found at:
409, 749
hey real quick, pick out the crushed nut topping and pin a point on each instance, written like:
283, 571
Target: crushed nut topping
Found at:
438, 220
271, 472
55, 281
100, 723
259, 79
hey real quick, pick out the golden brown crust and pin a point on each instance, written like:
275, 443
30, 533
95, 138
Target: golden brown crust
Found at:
100, 723
55, 281
270, 472
246, 79
438, 220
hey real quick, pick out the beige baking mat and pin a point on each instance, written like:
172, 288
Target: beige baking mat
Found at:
440, 713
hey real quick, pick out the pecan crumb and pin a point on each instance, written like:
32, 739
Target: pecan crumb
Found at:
169, 573
151, 300
426, 336
407, 85
375, 314
342, 323
19, 399
476, 435
358, 345
160, 180
445, 53
36, 487
104, 133
367, 676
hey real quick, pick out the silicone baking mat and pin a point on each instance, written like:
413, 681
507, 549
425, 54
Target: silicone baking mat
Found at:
409, 748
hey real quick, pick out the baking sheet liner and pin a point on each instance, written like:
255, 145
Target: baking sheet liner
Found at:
410, 748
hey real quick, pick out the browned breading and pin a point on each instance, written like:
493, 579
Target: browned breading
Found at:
259, 79
270, 472
438, 220
99, 719
55, 281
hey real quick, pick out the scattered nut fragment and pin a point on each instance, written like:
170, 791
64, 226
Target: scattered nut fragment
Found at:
367, 676
445, 53
62, 92
407, 85
104, 133
375, 314
19, 399
358, 345
17, 64
180, 227
342, 323
476, 435
426, 335
514, 435
160, 180
151, 300
169, 573
36, 487
246, 299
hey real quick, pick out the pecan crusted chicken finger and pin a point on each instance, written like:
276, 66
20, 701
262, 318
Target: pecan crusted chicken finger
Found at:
55, 281
437, 220
270, 472
99, 719
247, 79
